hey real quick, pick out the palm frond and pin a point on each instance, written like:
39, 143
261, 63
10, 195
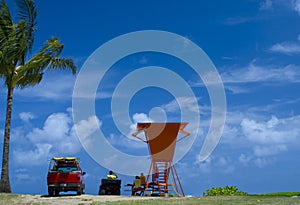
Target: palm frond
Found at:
41, 59
27, 11
63, 63
15, 45
47, 58
5, 13
53, 47
6, 22
30, 79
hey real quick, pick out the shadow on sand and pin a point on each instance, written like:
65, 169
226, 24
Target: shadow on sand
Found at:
61, 195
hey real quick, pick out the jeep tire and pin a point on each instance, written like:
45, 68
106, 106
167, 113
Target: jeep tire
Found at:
50, 192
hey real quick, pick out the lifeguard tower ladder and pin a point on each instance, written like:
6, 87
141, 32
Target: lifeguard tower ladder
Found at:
161, 138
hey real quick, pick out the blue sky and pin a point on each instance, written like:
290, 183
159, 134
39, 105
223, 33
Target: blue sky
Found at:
255, 47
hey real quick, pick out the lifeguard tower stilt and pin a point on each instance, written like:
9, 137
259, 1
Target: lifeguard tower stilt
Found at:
161, 138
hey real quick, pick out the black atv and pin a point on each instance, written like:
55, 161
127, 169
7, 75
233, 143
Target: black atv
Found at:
110, 187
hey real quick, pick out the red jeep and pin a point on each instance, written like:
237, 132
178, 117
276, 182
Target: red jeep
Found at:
65, 174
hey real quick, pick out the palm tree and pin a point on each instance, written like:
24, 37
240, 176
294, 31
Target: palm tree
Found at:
17, 69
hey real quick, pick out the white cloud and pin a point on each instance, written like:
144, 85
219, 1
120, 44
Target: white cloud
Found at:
274, 131
280, 4
237, 89
187, 109
262, 139
171, 106
224, 164
26, 116
265, 5
255, 73
269, 138
204, 166
222, 161
24, 175
262, 162
184, 45
54, 86
219, 164
233, 78
212, 78
17, 135
263, 151
137, 117
141, 117
101, 95
21, 170
56, 137
38, 156
128, 142
232, 21
85, 128
186, 103
287, 48
244, 159
297, 6
56, 127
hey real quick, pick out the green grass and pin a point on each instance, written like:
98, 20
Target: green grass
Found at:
282, 198
287, 194
216, 200
5, 198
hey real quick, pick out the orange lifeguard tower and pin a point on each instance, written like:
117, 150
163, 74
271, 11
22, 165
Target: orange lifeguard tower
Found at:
161, 139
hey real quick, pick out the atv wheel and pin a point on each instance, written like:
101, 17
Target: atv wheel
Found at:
102, 192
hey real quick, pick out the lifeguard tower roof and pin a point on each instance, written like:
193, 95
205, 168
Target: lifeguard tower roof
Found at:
161, 139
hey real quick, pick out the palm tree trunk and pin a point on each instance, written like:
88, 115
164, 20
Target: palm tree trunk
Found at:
5, 183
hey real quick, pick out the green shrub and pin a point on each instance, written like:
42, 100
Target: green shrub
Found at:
224, 191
